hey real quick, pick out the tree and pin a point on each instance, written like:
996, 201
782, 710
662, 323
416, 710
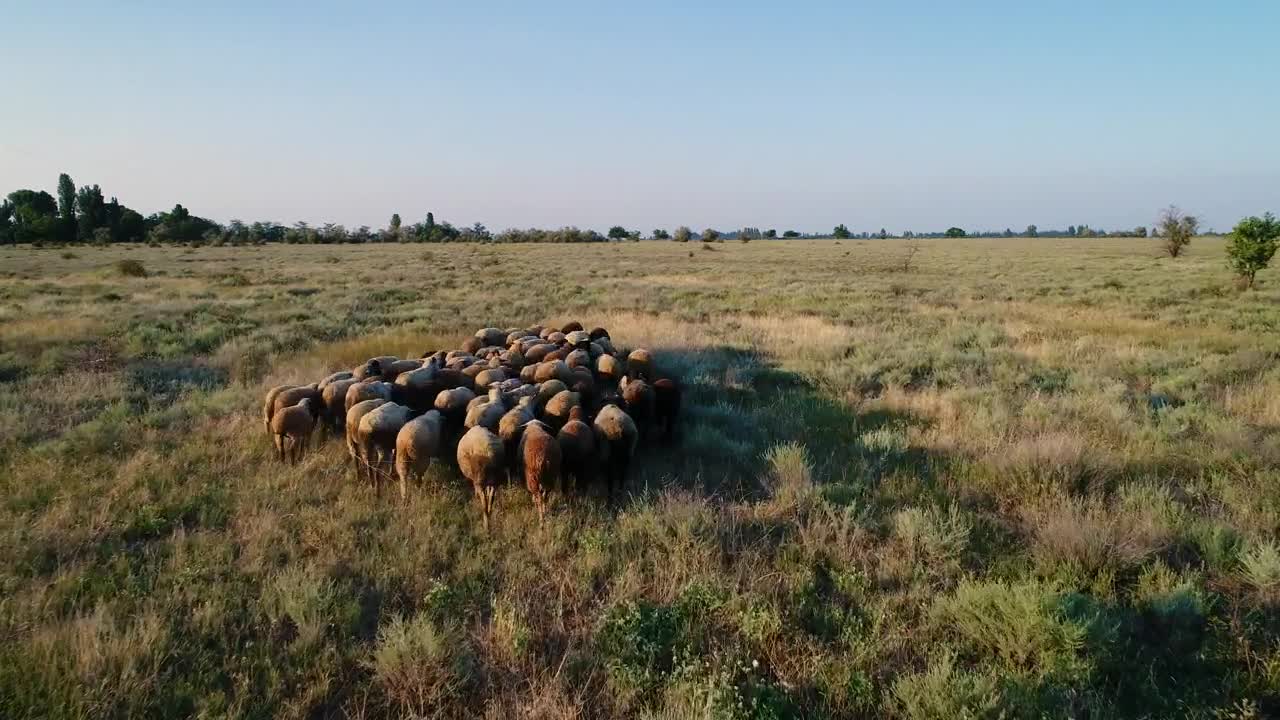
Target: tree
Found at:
884, 234
1177, 228
617, 232
34, 216
1253, 243
634, 236
791, 234
840, 231
67, 206
954, 232
710, 235
682, 234
747, 234
660, 234
6, 222
1071, 230
1008, 232
395, 222
1140, 231
771, 233
1031, 231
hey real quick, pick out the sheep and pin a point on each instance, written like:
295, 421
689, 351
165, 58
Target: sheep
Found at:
616, 439
577, 452
640, 364
420, 440
392, 370
666, 393
577, 339
376, 438
511, 427
472, 344
578, 358
639, 399
540, 458
528, 373
335, 377
367, 390
490, 336
452, 404
487, 413
556, 338
548, 390
420, 387
485, 378
574, 326
334, 398
289, 396
537, 353
269, 404
296, 423
556, 369
588, 395
481, 460
610, 367
354, 414
513, 359
556, 411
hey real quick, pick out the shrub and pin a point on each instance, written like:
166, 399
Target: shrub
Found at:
928, 533
68, 255
420, 665
1252, 245
1260, 567
1176, 228
945, 692
789, 481
131, 268
682, 234
1019, 624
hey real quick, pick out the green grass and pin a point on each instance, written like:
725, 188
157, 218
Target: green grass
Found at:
1030, 478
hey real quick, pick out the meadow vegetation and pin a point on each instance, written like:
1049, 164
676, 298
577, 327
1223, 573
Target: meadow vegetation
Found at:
1020, 478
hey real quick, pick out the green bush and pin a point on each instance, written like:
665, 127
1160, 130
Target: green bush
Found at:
1252, 245
131, 268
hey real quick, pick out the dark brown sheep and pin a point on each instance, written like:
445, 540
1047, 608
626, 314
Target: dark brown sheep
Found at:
666, 393
640, 401
334, 397
540, 458
578, 456
571, 327
640, 364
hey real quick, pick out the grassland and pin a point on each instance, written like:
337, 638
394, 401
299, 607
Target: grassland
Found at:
1037, 478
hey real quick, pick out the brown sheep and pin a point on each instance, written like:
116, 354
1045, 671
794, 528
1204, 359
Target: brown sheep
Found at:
289, 397
537, 353
354, 414
334, 397
482, 461
640, 402
269, 404
392, 370
616, 439
376, 439
528, 373
556, 412
666, 392
574, 326
556, 369
335, 377
609, 367
577, 453
578, 358
640, 364
367, 390
490, 336
597, 333
295, 422
485, 378
540, 458
472, 344
420, 440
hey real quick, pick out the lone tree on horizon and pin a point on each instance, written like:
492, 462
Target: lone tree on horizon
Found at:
955, 232
840, 232
1177, 229
617, 232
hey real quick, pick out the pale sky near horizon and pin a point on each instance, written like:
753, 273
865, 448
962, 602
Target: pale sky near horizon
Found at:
903, 115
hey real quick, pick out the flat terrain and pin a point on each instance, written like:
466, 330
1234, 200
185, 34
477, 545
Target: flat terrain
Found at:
1031, 477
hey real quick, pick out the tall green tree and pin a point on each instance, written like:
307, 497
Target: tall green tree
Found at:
682, 234
955, 232
93, 211
710, 235
67, 206
660, 234
1253, 243
617, 232
840, 232
6, 222
1031, 231
34, 216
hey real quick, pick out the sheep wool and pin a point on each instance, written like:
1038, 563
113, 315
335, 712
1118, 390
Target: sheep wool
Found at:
420, 440
540, 458
481, 461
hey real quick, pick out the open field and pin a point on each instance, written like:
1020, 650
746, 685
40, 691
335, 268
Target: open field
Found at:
1031, 477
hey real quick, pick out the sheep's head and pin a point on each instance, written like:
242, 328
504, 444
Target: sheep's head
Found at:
597, 333
313, 406
575, 413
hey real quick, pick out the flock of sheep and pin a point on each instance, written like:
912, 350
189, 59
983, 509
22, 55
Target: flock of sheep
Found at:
551, 404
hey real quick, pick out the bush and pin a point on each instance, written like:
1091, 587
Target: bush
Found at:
1260, 567
131, 268
1252, 245
1176, 228
945, 692
420, 665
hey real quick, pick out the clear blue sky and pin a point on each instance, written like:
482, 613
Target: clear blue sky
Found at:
906, 115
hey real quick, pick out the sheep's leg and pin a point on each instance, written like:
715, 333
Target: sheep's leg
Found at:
279, 443
403, 470
484, 506
490, 495
540, 502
